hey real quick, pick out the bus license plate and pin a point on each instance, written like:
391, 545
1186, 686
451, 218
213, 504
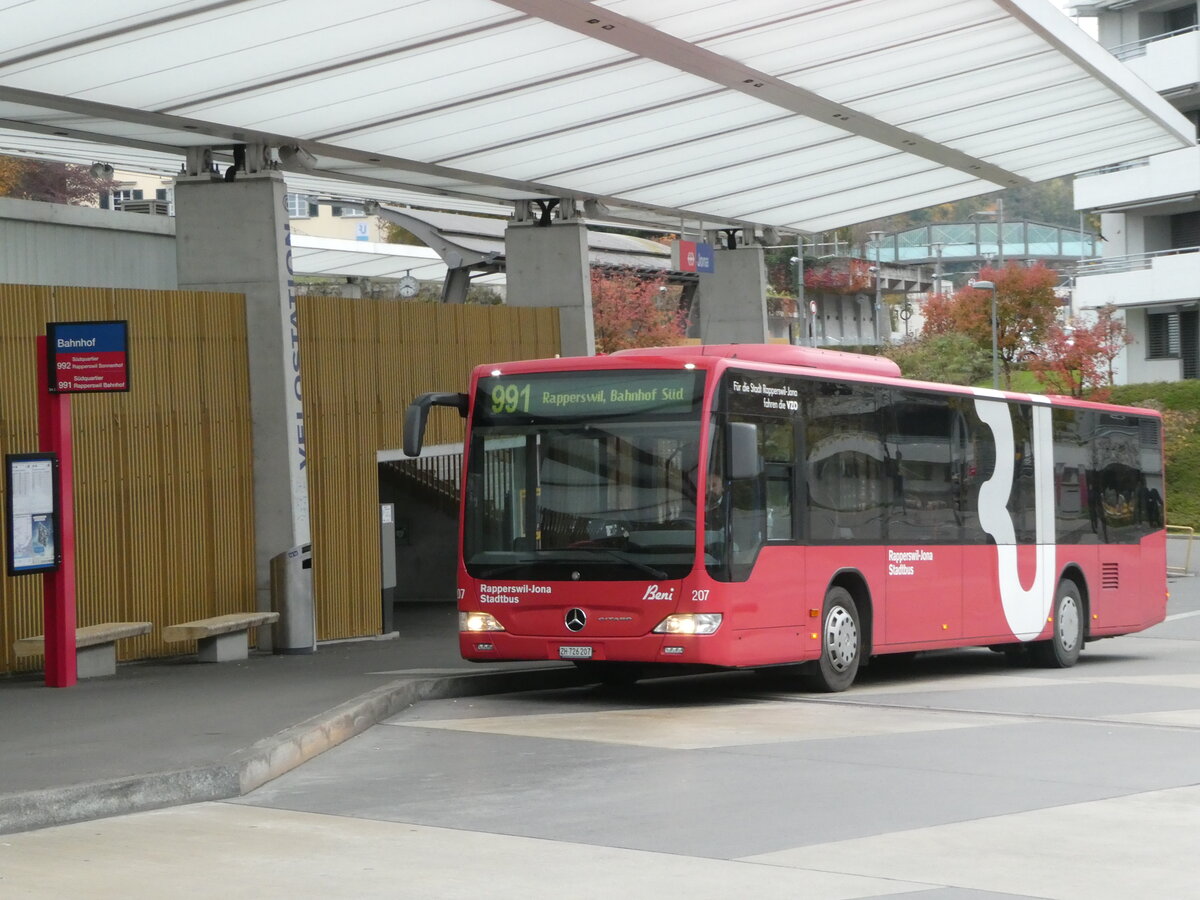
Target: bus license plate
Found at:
574, 652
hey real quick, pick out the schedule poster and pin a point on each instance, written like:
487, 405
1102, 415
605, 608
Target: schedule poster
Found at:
31, 508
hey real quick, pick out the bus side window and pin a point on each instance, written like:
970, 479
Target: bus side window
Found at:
779, 454
845, 470
925, 492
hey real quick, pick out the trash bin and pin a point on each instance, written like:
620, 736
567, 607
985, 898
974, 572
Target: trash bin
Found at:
292, 598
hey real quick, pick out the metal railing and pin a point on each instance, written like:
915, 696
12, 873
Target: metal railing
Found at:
1188, 532
1138, 48
1131, 263
1115, 167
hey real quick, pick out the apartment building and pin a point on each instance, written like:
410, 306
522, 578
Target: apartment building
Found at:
151, 194
1149, 206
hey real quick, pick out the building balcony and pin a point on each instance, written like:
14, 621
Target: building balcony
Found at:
1164, 276
1169, 63
1158, 180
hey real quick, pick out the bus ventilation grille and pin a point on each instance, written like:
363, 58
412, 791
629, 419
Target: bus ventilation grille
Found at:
1110, 576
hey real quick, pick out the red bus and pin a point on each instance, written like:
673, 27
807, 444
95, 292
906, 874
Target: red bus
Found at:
771, 505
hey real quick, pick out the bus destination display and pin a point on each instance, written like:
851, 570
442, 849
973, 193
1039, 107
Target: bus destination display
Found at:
572, 394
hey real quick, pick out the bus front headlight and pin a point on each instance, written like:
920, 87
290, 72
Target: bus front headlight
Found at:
689, 623
478, 621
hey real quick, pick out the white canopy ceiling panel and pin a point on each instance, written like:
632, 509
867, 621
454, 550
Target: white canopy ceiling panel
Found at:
332, 256
564, 104
786, 137
241, 46
792, 146
345, 99
950, 193
1135, 150
770, 184
766, 111
973, 48
881, 46
1017, 74
926, 103
1000, 144
959, 124
639, 134
1044, 154
918, 184
37, 29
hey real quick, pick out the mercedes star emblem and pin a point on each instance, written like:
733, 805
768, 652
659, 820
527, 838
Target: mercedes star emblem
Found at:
576, 619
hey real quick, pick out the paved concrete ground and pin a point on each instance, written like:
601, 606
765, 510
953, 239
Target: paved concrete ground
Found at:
955, 776
176, 730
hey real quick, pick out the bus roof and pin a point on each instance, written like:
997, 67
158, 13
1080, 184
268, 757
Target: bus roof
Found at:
782, 357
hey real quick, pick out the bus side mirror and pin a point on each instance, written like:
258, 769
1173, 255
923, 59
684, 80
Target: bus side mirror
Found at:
417, 414
744, 461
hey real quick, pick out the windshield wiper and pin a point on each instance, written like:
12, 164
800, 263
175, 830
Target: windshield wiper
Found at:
509, 567
617, 554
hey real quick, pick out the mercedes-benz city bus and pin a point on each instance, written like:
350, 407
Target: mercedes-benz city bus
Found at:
771, 505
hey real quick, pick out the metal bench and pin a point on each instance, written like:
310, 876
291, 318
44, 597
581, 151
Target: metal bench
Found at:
220, 638
95, 646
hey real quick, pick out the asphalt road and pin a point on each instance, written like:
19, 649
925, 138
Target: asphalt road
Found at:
954, 775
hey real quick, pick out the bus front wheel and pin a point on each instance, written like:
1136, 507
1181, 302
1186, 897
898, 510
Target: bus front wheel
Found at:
841, 644
1066, 635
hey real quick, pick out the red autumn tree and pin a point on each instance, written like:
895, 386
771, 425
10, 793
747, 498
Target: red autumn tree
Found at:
49, 182
938, 313
854, 280
1025, 310
1077, 358
630, 310
1068, 361
1111, 336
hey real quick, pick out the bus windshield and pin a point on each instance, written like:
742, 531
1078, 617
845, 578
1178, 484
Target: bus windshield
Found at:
583, 476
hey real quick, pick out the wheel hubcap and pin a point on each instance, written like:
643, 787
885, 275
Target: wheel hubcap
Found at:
841, 638
1068, 623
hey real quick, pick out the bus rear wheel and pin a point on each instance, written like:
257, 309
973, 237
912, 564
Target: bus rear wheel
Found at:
1066, 637
841, 644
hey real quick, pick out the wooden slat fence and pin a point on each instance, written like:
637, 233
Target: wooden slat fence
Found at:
164, 498
362, 362
164, 505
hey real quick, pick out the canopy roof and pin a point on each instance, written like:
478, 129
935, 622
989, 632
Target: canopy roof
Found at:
802, 114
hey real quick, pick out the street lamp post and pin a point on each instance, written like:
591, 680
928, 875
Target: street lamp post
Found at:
991, 286
876, 238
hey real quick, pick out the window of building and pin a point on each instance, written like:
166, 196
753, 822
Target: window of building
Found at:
120, 195
301, 206
1162, 335
1181, 17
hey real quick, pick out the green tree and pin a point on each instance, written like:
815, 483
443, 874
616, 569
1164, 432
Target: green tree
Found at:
950, 358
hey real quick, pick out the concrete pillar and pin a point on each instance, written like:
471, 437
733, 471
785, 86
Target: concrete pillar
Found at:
733, 299
234, 236
547, 265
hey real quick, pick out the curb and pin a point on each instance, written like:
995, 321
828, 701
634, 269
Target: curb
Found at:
252, 767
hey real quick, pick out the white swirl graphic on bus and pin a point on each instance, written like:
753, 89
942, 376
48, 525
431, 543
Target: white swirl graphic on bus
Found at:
1025, 609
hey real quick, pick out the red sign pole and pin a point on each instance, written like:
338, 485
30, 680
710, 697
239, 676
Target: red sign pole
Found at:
58, 587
